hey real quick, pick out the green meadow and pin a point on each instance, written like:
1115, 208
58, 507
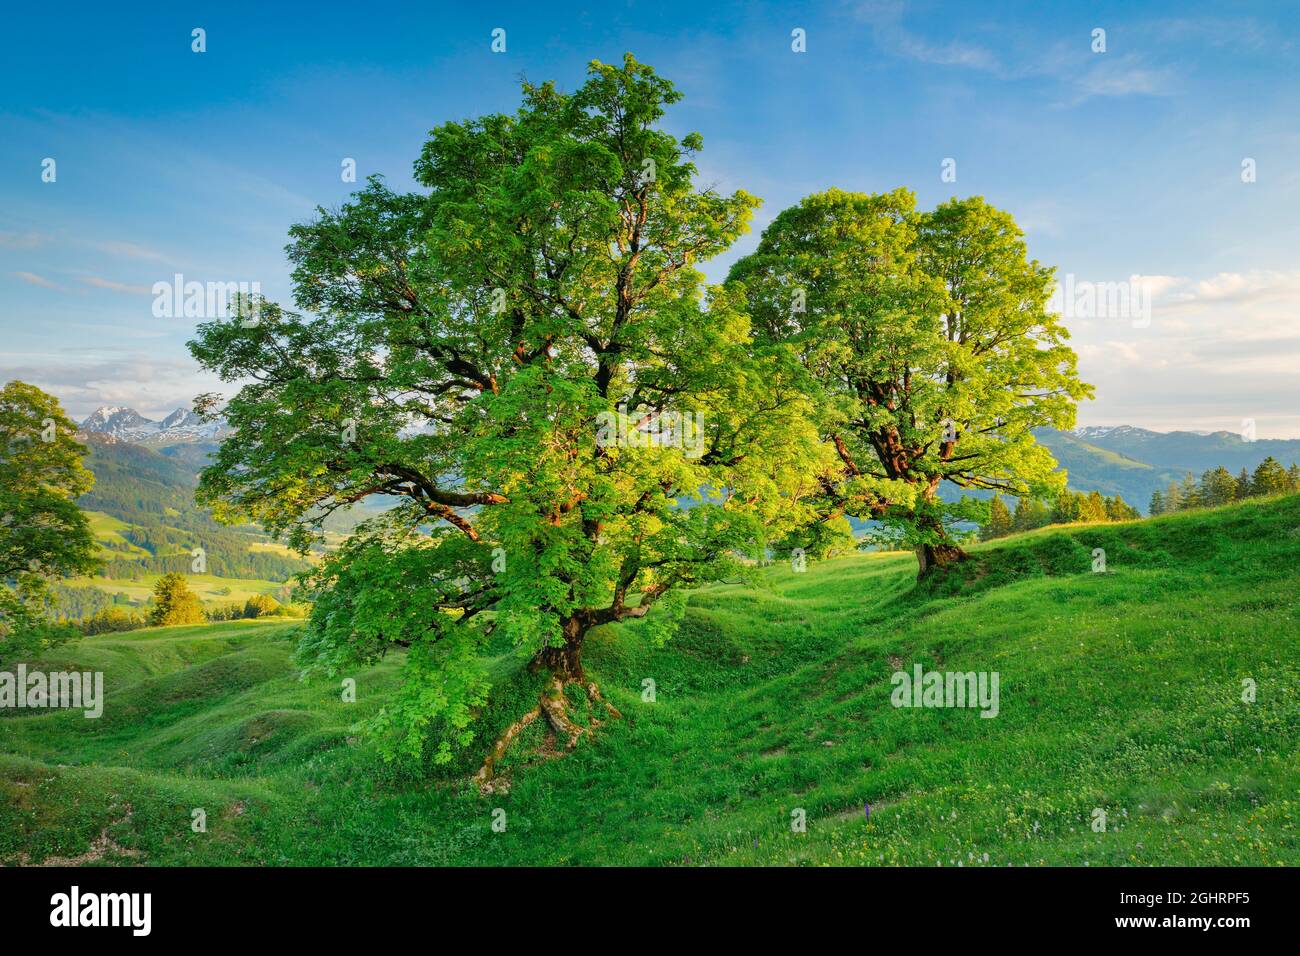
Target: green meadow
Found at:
211, 589
1121, 691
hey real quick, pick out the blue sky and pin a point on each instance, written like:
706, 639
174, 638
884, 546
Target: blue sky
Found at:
1117, 163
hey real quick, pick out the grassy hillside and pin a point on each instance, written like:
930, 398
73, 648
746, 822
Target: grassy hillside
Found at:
145, 523
212, 590
1119, 690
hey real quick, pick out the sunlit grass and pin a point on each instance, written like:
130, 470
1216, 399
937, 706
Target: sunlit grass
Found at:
1119, 691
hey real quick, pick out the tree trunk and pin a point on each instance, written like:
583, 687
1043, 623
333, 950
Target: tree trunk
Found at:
939, 553
565, 662
564, 666
932, 556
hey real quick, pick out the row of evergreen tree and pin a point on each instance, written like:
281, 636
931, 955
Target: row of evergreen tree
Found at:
1218, 487
227, 555
1069, 508
70, 604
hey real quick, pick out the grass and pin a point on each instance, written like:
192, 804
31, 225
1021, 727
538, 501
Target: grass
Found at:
1119, 690
108, 530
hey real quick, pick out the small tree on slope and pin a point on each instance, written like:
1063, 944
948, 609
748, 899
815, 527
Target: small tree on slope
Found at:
43, 534
175, 603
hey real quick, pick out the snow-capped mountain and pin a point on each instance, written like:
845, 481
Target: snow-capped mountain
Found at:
126, 424
1101, 431
179, 417
112, 418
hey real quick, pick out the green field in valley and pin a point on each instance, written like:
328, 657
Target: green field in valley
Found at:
210, 589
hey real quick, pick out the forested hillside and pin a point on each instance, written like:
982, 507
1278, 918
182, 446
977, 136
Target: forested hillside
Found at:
1135, 463
157, 526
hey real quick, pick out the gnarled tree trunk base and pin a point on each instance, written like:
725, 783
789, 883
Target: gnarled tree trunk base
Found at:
593, 694
485, 774
933, 557
553, 706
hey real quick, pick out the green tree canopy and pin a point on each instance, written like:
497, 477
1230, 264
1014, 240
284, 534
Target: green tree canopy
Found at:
522, 359
43, 534
110, 620
829, 537
1243, 485
1030, 514
999, 521
1174, 497
1093, 507
1117, 509
928, 344
1218, 487
260, 605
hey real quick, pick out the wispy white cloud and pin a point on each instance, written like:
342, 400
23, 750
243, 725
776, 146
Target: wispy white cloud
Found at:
1256, 287
31, 278
1241, 33
1114, 75
84, 379
1070, 65
116, 286
885, 17
130, 250
98, 282
1218, 349
948, 53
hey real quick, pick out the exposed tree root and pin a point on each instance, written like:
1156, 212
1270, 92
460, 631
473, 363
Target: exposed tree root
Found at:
593, 693
556, 707
485, 773
553, 705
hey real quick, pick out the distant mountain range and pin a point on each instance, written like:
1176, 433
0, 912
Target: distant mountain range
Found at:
126, 424
146, 523
1189, 451
1120, 460
1134, 462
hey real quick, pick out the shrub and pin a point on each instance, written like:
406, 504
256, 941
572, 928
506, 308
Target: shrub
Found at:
111, 621
260, 605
